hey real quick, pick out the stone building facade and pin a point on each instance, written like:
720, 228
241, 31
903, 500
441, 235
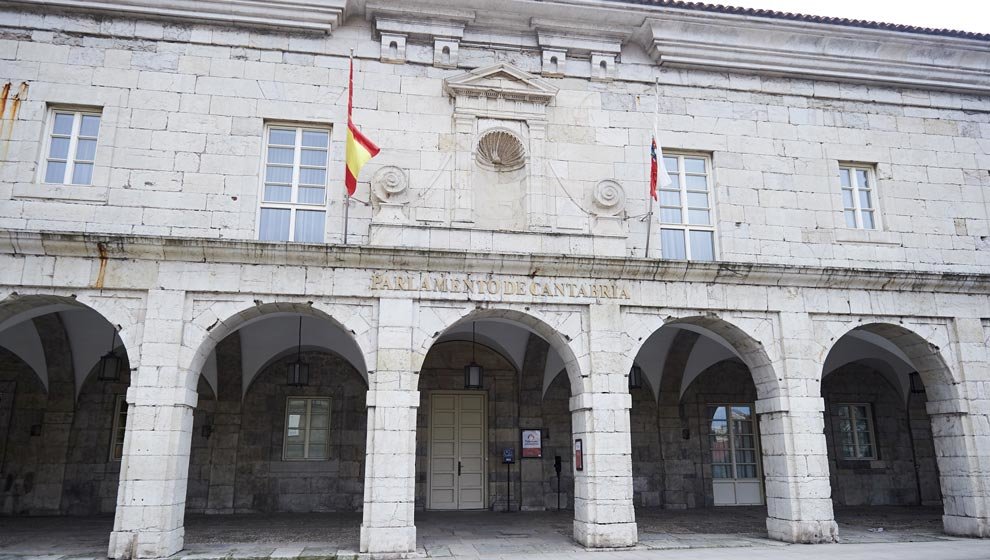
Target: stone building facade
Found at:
801, 320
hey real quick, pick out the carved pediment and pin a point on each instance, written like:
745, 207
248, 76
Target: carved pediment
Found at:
501, 81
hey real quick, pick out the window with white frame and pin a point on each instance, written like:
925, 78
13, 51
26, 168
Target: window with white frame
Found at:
119, 428
687, 223
857, 439
858, 196
307, 429
294, 190
70, 147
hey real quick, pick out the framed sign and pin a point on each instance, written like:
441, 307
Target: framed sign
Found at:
508, 455
578, 456
532, 443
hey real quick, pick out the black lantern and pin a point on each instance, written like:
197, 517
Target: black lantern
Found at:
474, 374
298, 369
110, 363
917, 385
635, 377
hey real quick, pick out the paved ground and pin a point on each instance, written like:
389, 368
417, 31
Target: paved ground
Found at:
907, 533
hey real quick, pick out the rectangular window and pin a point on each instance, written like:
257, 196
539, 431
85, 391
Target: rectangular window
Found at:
294, 187
858, 196
70, 148
857, 440
307, 429
732, 441
119, 428
687, 223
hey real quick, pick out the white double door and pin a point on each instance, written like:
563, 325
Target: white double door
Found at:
457, 451
734, 444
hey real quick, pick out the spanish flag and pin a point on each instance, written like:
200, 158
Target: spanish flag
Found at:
359, 148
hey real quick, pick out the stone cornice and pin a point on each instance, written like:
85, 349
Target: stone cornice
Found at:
167, 249
725, 42
294, 15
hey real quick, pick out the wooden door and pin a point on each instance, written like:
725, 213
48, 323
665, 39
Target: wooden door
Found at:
457, 476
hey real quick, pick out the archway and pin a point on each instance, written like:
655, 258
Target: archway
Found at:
892, 448
63, 374
695, 432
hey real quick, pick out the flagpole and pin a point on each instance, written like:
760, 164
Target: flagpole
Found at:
350, 97
649, 213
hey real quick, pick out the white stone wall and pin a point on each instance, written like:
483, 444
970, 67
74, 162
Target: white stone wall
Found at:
185, 105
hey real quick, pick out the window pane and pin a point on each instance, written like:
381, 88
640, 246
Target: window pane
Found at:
315, 138
90, 126
82, 174
60, 148
55, 173
721, 471
275, 174
278, 193
697, 200
317, 451
844, 411
848, 452
310, 195
281, 136
847, 198
746, 471
694, 165
699, 218
861, 179
309, 226
670, 164
317, 437
86, 150
294, 451
670, 198
844, 178
281, 155
868, 220
864, 200
63, 123
274, 224
720, 456
850, 218
702, 246
312, 177
314, 157
697, 183
672, 244
865, 450
670, 215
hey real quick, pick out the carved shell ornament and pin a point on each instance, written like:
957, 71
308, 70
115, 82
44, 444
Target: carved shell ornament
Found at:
500, 150
609, 198
389, 182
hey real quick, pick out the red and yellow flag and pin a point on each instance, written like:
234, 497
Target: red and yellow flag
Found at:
359, 148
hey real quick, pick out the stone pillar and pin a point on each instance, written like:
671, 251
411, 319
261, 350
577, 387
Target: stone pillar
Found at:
151, 497
795, 467
462, 209
961, 431
603, 491
390, 468
539, 210
792, 435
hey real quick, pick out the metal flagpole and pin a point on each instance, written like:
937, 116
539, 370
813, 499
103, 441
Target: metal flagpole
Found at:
649, 214
350, 97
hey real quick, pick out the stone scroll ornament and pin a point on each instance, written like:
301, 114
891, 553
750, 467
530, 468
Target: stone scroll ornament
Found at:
608, 198
390, 184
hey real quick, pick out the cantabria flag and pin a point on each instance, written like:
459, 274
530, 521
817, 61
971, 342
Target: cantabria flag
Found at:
359, 148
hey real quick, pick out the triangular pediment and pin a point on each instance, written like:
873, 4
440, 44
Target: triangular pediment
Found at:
501, 80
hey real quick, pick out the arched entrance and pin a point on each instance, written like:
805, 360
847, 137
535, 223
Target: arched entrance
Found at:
896, 433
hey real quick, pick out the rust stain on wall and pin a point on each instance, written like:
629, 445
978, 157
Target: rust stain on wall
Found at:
7, 121
104, 256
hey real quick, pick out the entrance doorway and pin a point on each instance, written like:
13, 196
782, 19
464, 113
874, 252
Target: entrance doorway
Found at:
457, 451
733, 444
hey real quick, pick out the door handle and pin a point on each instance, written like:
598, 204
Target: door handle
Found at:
458, 468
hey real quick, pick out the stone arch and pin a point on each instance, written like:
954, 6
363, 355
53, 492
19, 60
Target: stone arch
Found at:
752, 339
561, 330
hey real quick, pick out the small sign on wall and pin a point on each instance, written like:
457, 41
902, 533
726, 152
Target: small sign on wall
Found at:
532, 444
508, 455
578, 455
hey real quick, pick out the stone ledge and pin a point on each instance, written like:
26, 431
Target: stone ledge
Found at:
22, 243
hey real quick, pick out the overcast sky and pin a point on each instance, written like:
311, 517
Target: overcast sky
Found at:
966, 15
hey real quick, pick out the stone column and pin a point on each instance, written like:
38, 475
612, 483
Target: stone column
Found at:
390, 468
792, 435
961, 431
151, 496
603, 490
